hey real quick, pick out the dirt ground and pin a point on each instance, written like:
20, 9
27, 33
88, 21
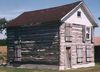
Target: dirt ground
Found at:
3, 48
3, 54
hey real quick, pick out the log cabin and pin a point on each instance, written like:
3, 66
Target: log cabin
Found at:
54, 38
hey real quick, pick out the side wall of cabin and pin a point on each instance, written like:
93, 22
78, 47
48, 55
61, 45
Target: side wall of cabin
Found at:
35, 45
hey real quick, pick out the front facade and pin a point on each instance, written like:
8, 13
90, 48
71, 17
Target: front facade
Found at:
60, 44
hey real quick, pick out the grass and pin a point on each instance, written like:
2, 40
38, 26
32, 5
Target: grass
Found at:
89, 69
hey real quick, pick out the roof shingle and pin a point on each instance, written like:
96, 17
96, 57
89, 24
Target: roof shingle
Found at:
44, 15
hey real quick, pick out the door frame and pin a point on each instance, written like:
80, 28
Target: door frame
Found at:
66, 66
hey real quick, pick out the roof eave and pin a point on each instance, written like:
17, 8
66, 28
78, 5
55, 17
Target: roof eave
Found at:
90, 14
36, 24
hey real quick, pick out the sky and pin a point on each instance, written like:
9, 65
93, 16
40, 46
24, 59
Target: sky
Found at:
10, 9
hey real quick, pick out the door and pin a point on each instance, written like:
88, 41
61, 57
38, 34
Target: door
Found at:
68, 58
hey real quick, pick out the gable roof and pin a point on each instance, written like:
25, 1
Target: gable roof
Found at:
44, 15
96, 41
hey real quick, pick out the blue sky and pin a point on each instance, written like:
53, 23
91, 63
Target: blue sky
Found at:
10, 9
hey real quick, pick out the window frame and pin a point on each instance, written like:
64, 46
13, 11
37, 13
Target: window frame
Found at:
88, 32
79, 14
68, 35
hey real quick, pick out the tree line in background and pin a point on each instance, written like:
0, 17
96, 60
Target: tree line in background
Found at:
3, 42
3, 21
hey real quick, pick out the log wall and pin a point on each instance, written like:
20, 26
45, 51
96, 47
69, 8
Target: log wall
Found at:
39, 44
10, 44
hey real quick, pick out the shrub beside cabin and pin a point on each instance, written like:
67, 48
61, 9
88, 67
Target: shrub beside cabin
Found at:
55, 38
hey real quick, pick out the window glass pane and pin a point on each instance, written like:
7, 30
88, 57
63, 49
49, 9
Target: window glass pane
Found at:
87, 36
88, 30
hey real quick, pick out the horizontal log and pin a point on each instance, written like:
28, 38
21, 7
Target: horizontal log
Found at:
9, 30
37, 38
41, 27
40, 46
31, 61
10, 49
39, 31
45, 53
10, 41
10, 38
11, 45
39, 41
44, 34
49, 58
10, 33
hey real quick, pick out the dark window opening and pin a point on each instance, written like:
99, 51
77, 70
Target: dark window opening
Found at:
87, 36
88, 33
79, 14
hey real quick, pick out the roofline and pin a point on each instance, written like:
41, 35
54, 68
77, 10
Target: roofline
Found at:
71, 11
90, 14
40, 23
88, 11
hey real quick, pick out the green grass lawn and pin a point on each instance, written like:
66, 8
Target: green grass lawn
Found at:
89, 69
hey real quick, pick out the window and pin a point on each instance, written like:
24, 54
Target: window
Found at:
88, 33
79, 54
79, 14
88, 54
68, 32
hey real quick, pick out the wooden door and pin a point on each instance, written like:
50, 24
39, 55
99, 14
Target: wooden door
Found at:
68, 58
